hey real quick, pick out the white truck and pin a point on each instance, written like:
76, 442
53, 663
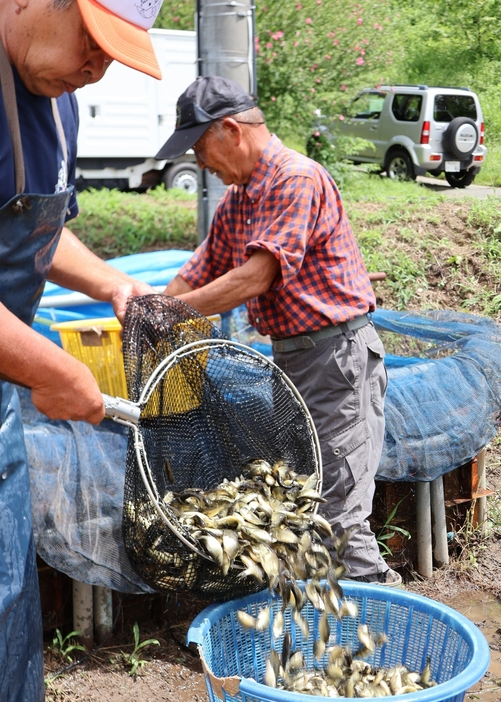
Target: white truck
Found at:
127, 116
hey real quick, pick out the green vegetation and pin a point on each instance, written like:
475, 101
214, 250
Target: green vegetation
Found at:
135, 660
64, 645
113, 224
390, 530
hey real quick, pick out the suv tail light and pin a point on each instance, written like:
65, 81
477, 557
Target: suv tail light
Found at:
425, 133
482, 133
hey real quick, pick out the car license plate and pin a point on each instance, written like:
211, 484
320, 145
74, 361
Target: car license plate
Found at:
452, 166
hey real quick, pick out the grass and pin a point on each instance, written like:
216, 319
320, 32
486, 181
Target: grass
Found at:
112, 223
373, 205
490, 174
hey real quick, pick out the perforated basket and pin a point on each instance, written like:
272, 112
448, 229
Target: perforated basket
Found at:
98, 344
417, 628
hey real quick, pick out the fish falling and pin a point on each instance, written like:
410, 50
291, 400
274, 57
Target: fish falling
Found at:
265, 525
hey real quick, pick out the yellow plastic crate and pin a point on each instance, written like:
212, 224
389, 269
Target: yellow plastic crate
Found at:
98, 344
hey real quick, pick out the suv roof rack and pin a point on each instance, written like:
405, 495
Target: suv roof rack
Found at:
420, 86
452, 87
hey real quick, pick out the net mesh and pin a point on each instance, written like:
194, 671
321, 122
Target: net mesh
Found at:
213, 408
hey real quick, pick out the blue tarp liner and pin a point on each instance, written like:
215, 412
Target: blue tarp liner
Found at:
441, 408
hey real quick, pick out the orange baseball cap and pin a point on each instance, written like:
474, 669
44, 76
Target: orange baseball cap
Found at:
120, 27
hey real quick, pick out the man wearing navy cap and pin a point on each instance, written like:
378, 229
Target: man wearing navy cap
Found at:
281, 243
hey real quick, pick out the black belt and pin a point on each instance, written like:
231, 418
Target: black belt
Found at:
307, 341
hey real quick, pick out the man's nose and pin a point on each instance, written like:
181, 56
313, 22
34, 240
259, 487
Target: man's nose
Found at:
97, 64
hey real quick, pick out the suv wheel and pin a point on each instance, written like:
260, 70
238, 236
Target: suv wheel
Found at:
399, 166
461, 137
461, 179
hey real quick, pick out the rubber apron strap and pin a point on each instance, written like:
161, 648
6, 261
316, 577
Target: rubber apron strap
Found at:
10, 102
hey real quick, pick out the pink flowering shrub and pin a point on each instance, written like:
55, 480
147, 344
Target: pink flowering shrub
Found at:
313, 54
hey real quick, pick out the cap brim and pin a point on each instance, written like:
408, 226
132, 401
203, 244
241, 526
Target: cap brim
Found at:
120, 39
181, 141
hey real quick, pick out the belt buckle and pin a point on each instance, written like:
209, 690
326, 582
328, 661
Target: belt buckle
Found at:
304, 342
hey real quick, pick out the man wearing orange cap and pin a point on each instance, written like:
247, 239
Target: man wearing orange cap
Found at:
48, 49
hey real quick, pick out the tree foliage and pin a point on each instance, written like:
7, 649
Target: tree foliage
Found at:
177, 15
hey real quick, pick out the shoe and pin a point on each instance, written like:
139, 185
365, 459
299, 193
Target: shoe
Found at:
390, 578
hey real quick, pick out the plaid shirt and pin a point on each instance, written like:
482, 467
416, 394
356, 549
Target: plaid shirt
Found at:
291, 207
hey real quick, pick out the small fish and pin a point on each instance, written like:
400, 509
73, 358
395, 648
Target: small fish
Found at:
270, 677
324, 628
286, 649
263, 619
426, 673
296, 661
348, 609
168, 470
318, 649
214, 548
278, 624
246, 620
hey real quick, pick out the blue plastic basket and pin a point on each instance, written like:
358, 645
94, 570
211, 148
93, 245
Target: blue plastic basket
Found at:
234, 659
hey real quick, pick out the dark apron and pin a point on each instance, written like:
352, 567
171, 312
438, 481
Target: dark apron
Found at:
30, 227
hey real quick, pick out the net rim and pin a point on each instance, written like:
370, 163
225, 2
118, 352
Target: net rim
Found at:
149, 387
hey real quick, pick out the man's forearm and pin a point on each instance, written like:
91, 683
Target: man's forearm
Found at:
75, 267
177, 286
253, 278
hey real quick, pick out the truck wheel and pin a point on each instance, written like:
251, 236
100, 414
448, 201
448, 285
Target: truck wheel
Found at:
183, 176
460, 180
399, 166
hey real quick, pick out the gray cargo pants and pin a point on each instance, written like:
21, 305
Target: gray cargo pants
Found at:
343, 381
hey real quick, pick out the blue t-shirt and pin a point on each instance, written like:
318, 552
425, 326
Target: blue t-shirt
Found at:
42, 151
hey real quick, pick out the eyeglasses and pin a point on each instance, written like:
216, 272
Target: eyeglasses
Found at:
200, 145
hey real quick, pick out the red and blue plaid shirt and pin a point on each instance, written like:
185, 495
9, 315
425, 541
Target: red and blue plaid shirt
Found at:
291, 206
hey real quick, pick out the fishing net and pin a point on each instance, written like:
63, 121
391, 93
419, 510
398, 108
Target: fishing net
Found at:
208, 406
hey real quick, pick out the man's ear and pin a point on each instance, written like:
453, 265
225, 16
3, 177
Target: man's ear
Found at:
233, 128
21, 5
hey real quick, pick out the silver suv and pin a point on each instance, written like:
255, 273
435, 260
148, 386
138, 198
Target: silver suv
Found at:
416, 129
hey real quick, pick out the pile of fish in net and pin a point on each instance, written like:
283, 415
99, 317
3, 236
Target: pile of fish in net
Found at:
265, 524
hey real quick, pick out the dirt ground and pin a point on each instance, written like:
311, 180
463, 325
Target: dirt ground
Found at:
471, 583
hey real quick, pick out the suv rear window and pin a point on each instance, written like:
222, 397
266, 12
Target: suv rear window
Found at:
407, 108
448, 107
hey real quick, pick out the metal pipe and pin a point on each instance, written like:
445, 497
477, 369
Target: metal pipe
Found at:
83, 619
103, 612
225, 45
423, 518
440, 551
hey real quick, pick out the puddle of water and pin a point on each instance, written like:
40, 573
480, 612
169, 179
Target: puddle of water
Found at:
484, 611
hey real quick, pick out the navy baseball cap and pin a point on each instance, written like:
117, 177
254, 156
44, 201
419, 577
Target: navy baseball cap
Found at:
204, 101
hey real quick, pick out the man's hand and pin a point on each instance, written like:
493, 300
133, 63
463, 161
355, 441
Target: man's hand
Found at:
123, 291
69, 392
